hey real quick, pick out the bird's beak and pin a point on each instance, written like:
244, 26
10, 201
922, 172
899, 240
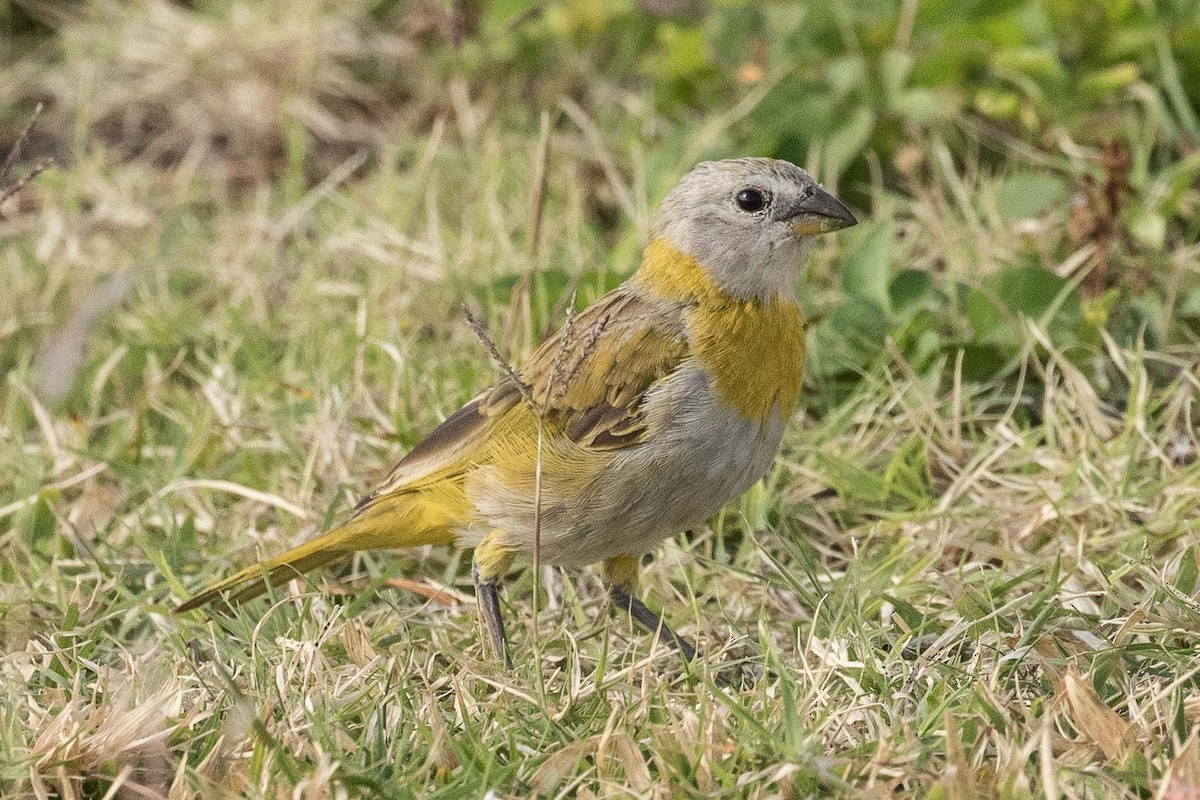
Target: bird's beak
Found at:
820, 212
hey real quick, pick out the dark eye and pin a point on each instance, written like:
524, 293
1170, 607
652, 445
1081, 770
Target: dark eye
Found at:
750, 200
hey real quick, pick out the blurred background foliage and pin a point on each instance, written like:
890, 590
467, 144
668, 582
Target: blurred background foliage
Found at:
1061, 135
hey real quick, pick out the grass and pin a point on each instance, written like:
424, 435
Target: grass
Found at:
999, 598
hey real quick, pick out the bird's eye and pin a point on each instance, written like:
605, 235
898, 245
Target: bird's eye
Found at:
750, 200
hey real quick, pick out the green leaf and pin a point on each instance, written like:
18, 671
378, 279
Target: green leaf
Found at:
1190, 306
997, 103
1029, 290
500, 13
994, 307
908, 289
914, 618
845, 74
41, 528
907, 473
1037, 62
1027, 194
847, 141
921, 339
894, 71
980, 362
923, 106
851, 480
1148, 227
683, 51
1106, 82
1189, 570
865, 272
1097, 310
859, 324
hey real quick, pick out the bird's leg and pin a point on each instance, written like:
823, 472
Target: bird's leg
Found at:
491, 562
621, 576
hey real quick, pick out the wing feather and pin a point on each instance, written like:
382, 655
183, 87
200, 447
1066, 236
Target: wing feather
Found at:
614, 352
592, 382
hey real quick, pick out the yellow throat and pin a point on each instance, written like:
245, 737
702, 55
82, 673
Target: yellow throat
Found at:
753, 349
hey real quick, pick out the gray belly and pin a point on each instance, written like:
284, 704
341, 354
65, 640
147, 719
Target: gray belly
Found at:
702, 456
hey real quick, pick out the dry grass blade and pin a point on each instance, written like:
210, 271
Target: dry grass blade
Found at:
14, 154
520, 293
557, 384
437, 594
607, 163
1182, 781
295, 216
25, 180
1093, 718
499, 361
586, 348
266, 498
561, 763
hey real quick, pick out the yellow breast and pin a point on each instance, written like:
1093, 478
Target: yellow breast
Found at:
753, 349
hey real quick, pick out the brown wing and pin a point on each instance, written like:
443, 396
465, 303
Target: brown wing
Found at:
592, 382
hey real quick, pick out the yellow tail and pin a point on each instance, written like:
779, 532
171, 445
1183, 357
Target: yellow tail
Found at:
389, 522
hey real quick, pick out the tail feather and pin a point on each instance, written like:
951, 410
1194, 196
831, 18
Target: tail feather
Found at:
367, 532
255, 580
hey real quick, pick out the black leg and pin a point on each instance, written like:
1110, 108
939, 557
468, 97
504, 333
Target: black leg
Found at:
652, 622
487, 594
488, 566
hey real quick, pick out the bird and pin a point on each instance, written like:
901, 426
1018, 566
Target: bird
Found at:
641, 418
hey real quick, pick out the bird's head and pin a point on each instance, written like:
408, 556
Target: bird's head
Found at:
749, 222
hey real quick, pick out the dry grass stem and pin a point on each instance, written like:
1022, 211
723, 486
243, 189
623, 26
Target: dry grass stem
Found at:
498, 360
11, 159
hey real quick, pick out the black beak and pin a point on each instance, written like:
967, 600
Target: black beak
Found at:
820, 212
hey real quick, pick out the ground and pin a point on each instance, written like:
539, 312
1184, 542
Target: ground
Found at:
952, 584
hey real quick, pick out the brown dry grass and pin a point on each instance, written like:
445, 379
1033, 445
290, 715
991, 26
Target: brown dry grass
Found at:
1001, 600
